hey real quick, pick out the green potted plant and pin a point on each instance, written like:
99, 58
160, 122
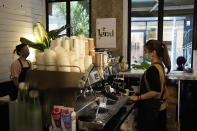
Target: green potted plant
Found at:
140, 66
42, 37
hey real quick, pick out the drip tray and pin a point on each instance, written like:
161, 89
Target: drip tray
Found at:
87, 116
102, 110
111, 102
91, 114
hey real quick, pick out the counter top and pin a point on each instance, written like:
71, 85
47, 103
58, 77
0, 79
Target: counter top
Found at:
181, 75
176, 75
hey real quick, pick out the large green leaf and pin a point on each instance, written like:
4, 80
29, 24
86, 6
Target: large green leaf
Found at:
44, 34
40, 34
36, 33
35, 45
54, 33
42, 37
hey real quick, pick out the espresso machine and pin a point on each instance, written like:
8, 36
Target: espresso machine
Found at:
108, 100
95, 97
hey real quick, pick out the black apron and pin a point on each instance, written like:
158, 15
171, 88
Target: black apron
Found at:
14, 90
147, 110
22, 75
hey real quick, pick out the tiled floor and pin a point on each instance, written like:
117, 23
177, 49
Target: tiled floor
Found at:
171, 118
171, 110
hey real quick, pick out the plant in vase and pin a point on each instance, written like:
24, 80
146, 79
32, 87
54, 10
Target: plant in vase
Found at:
42, 37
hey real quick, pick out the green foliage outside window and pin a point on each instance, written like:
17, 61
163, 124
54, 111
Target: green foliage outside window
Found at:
60, 9
79, 12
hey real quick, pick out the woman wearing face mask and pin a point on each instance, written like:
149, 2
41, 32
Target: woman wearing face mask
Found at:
20, 66
151, 101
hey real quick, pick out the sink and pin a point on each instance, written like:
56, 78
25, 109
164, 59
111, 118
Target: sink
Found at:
88, 120
90, 115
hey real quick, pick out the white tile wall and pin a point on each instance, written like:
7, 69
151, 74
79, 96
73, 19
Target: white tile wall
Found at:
17, 18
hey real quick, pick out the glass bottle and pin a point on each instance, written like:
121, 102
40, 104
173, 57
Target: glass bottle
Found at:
23, 92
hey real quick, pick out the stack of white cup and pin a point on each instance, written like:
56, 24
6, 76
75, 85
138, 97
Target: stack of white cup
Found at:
50, 59
87, 61
75, 69
62, 59
81, 64
66, 45
66, 52
40, 60
58, 41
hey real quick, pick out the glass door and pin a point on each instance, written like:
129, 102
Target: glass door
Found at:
137, 45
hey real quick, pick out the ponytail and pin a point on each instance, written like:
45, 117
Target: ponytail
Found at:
14, 51
166, 58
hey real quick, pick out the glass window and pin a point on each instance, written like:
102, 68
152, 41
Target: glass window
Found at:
57, 15
142, 30
80, 17
143, 27
151, 30
177, 30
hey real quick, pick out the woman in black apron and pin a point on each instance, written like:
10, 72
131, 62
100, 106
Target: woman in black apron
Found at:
19, 68
151, 102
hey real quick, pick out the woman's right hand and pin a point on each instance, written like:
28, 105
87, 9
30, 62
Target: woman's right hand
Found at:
133, 98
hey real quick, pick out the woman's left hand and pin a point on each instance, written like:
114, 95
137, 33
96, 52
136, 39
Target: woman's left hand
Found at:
133, 98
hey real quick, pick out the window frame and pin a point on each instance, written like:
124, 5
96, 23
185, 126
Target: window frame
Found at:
160, 28
68, 2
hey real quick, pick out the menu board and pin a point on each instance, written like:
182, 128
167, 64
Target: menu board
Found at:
106, 33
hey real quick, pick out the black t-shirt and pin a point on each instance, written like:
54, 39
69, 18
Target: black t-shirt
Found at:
153, 79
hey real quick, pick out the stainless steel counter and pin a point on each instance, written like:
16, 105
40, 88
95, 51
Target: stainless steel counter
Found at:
176, 75
132, 73
181, 76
